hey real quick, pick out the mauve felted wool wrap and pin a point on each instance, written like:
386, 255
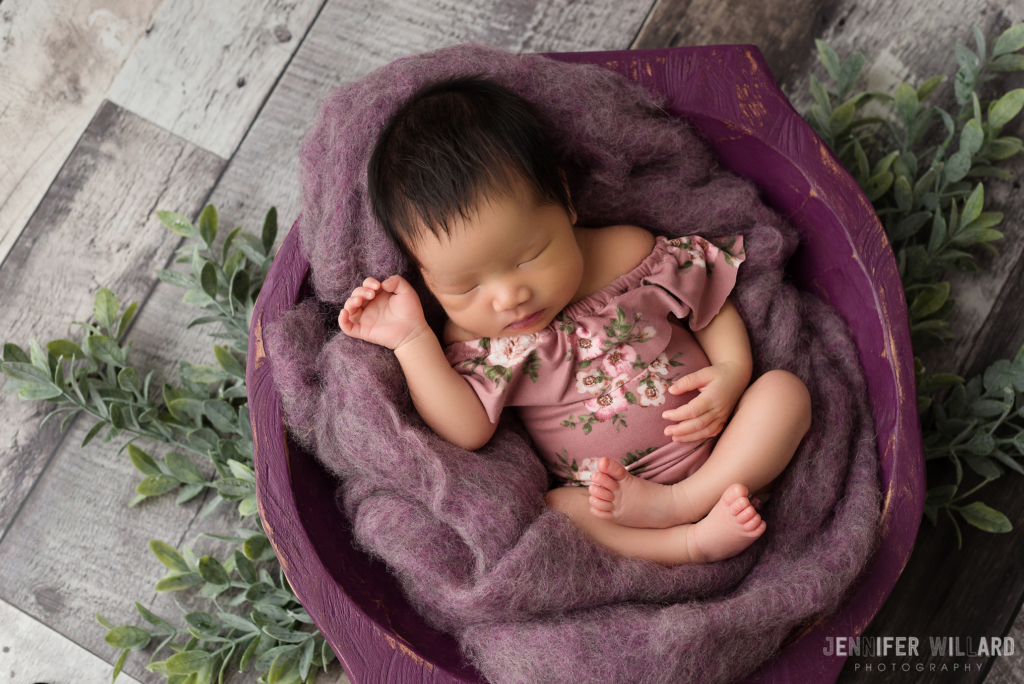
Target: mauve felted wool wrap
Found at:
529, 597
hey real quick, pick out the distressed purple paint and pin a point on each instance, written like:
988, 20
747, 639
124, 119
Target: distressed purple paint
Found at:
727, 93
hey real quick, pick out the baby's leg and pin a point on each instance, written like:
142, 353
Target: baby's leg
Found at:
731, 526
769, 421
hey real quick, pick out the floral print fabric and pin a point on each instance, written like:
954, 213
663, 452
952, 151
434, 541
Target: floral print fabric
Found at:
595, 382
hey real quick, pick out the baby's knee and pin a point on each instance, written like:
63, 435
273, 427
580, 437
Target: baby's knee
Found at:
558, 499
793, 394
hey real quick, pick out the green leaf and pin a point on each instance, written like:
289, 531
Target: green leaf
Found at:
929, 86
221, 415
247, 506
906, 103
244, 567
821, 96
117, 417
241, 471
202, 374
1011, 40
189, 492
904, 195
972, 136
848, 74
176, 279
957, 166
128, 637
128, 379
106, 350
187, 662
212, 571
255, 547
177, 223
228, 362
66, 348
984, 518
967, 59
938, 236
240, 286
227, 243
909, 226
937, 381
37, 391
1007, 63
183, 468
841, 118
155, 485
168, 555
126, 319
269, 234
972, 208
232, 488
829, 58
178, 581
208, 225
283, 664
204, 439
153, 618
306, 661
203, 622
981, 444
1008, 106
105, 309
25, 372
14, 354
119, 664
208, 279
986, 408
929, 300
93, 431
287, 635
248, 654
963, 86
142, 461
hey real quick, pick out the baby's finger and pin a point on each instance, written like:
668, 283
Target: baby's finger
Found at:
396, 284
371, 283
353, 303
690, 382
695, 408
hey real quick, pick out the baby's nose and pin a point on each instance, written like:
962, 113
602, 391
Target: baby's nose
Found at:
511, 297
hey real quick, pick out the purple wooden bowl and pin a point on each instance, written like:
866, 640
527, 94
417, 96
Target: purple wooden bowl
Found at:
728, 93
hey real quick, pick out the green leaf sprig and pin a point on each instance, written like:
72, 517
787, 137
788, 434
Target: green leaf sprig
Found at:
920, 166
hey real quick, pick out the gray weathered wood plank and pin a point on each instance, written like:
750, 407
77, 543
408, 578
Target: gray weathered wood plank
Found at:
94, 228
1010, 669
57, 61
205, 67
32, 652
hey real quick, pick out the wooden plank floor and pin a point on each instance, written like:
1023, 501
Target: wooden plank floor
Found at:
164, 120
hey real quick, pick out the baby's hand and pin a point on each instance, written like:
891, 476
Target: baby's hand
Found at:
721, 385
388, 313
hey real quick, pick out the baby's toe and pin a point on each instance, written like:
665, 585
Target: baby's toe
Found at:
601, 504
601, 493
612, 468
746, 515
605, 482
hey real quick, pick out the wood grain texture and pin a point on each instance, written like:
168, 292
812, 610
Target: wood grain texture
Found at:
783, 31
94, 228
57, 61
32, 652
94, 555
205, 67
1010, 669
351, 38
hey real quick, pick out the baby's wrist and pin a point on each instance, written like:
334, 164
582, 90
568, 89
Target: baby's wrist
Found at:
416, 342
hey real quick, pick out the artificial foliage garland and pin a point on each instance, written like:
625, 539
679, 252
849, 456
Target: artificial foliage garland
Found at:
923, 193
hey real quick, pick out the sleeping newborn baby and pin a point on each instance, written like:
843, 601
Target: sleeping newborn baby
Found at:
621, 351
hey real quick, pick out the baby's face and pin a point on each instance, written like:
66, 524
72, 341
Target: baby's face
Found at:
507, 270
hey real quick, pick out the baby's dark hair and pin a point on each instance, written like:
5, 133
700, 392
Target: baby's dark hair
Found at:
451, 144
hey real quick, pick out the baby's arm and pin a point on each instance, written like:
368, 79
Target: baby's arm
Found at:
389, 314
721, 384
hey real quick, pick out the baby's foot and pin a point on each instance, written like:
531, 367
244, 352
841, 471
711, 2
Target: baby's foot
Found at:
731, 526
619, 496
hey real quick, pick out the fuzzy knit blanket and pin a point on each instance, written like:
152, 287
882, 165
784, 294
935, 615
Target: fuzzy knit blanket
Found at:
529, 598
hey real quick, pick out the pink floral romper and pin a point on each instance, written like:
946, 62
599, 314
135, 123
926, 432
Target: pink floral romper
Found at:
595, 382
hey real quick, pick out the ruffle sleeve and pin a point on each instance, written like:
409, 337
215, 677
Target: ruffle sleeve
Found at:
699, 275
497, 368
